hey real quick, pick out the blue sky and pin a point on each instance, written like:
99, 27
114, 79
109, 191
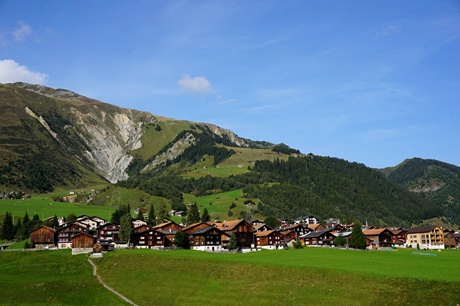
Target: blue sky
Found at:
368, 81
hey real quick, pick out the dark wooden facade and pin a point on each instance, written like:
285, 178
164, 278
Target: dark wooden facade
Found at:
43, 236
208, 238
320, 238
379, 237
65, 234
243, 230
152, 238
108, 233
450, 242
82, 240
269, 239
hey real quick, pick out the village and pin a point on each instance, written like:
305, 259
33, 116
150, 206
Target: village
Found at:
94, 234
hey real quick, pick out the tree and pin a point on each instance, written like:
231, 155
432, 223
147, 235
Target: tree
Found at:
25, 228
54, 222
357, 240
181, 240
272, 221
151, 220
71, 217
193, 215
232, 243
297, 244
18, 231
122, 210
340, 241
205, 215
126, 227
162, 213
8, 227
140, 215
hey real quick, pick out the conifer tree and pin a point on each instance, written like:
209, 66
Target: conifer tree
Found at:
126, 227
151, 221
232, 243
193, 214
8, 227
357, 240
205, 215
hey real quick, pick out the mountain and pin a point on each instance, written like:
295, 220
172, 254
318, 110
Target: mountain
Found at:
51, 137
434, 180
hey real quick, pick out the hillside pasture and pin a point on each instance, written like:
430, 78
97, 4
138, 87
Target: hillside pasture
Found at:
311, 276
45, 207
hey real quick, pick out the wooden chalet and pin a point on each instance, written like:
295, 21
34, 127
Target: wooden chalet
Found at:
82, 240
450, 242
269, 239
379, 238
425, 237
317, 227
107, 234
399, 236
208, 239
296, 230
196, 226
262, 228
43, 237
170, 226
151, 238
319, 238
141, 228
65, 234
243, 230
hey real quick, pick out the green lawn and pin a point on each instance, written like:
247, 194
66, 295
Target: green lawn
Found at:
294, 277
50, 277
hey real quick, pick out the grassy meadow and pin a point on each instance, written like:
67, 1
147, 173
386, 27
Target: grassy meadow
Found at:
50, 278
311, 276
45, 207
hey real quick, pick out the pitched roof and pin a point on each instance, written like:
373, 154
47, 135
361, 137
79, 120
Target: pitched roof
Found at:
228, 225
316, 234
45, 227
374, 231
264, 233
421, 229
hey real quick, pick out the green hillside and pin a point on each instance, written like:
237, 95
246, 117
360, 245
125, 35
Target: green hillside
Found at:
433, 180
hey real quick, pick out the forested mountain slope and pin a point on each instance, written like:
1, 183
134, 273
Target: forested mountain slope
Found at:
434, 180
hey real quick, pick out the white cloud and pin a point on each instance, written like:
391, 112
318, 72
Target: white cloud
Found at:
196, 84
22, 31
11, 72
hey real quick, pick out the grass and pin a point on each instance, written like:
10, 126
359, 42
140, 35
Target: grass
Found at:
219, 204
50, 277
312, 276
45, 207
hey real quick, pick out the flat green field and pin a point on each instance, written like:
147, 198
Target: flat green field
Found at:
311, 276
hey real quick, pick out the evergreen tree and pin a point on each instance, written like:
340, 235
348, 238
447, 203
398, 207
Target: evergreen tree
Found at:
54, 222
193, 214
26, 226
205, 215
140, 215
162, 213
35, 221
126, 227
340, 241
8, 227
18, 231
181, 240
232, 243
357, 240
151, 221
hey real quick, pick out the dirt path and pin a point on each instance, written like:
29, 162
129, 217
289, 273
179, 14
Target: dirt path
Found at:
109, 288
